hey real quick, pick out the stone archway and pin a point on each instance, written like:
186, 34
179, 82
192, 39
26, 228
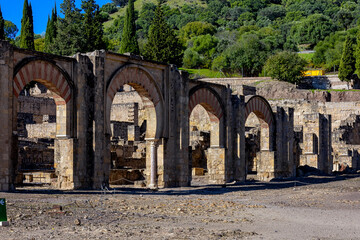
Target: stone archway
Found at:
216, 153
59, 83
265, 163
145, 85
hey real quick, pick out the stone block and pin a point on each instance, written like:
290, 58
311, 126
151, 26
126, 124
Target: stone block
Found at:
311, 160
216, 165
125, 176
197, 171
266, 161
348, 160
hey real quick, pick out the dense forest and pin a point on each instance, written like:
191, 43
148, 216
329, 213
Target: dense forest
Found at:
230, 36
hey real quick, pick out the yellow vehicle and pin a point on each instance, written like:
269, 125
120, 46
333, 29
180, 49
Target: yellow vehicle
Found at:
314, 73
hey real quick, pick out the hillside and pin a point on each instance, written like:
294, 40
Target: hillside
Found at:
139, 3
238, 36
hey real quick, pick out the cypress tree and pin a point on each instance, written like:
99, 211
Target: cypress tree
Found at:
50, 34
27, 28
162, 43
69, 36
93, 28
31, 21
347, 62
47, 35
2, 26
128, 40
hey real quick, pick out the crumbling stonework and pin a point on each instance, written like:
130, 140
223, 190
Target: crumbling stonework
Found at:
93, 126
327, 130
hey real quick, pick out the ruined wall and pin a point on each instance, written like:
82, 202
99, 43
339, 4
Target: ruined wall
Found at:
329, 118
37, 105
128, 107
44, 130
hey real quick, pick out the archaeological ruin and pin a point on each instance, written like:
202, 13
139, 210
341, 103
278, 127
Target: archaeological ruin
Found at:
101, 118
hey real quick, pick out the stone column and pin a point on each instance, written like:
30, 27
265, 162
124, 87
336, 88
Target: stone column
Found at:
8, 132
153, 168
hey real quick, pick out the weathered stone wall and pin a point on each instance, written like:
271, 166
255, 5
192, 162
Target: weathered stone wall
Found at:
44, 130
35, 155
200, 118
317, 139
37, 105
90, 85
128, 107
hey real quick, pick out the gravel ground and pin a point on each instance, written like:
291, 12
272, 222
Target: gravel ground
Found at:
314, 207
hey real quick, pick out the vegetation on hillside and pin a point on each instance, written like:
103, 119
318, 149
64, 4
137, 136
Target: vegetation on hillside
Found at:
226, 36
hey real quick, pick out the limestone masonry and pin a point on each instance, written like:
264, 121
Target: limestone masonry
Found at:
101, 118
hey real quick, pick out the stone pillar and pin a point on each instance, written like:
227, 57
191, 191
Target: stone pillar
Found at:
101, 139
266, 165
241, 167
84, 150
284, 164
177, 157
64, 162
8, 133
154, 166
216, 165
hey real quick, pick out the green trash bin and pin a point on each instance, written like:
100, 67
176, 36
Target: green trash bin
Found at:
3, 216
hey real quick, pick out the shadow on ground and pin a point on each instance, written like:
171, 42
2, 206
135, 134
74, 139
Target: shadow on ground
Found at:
201, 189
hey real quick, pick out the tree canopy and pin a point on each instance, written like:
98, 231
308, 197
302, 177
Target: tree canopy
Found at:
232, 36
285, 66
69, 38
92, 26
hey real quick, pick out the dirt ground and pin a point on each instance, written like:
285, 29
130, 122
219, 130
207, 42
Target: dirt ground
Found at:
314, 207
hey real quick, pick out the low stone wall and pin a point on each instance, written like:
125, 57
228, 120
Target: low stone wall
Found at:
44, 130
36, 105
125, 176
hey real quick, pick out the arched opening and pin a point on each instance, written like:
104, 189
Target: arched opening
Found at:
41, 125
252, 144
134, 122
207, 137
259, 139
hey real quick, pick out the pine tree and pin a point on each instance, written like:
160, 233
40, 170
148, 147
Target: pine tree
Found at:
27, 28
69, 38
51, 30
162, 43
2, 26
347, 62
128, 40
93, 29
